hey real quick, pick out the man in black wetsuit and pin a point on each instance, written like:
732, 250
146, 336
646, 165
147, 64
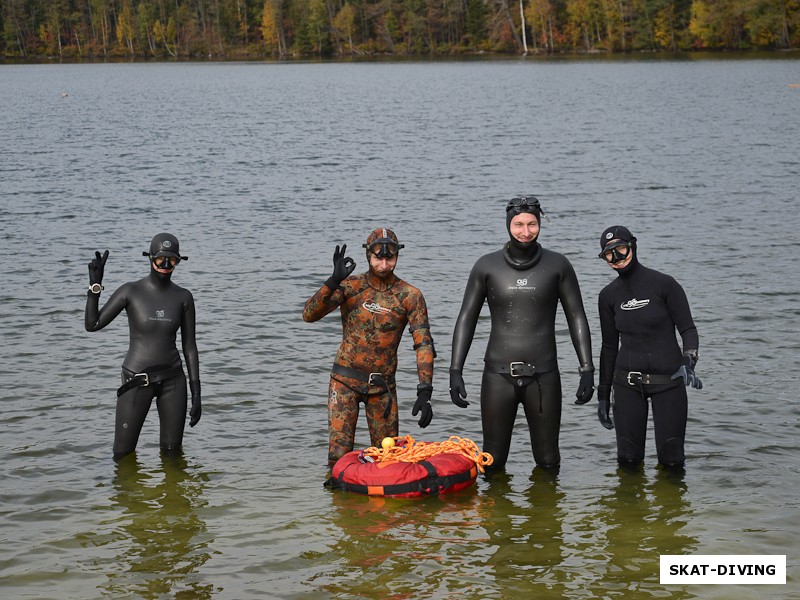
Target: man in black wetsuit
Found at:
523, 284
639, 313
156, 309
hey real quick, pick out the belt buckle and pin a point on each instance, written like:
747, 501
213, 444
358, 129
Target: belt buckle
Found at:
146, 378
371, 375
511, 367
630, 373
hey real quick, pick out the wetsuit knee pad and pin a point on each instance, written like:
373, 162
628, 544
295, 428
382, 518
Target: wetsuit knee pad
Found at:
670, 453
629, 452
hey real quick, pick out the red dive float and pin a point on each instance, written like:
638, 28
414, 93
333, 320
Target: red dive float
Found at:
405, 468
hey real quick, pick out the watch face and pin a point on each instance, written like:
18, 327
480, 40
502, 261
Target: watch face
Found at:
95, 288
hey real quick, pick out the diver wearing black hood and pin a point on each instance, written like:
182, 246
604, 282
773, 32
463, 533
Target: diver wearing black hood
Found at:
157, 309
639, 313
523, 284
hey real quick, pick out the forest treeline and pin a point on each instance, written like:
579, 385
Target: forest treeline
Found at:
163, 29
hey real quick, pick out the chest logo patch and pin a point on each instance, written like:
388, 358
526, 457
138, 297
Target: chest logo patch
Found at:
634, 304
522, 284
376, 308
161, 315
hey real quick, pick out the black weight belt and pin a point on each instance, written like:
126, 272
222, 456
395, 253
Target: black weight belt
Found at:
522, 369
636, 379
149, 376
369, 379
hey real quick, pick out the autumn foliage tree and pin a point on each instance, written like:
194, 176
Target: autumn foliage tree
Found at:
168, 29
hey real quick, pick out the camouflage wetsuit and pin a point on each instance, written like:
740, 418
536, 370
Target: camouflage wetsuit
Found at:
374, 314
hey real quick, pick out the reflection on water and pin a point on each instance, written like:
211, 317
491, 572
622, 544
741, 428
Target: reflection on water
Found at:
525, 533
243, 158
497, 542
642, 520
389, 547
164, 541
511, 538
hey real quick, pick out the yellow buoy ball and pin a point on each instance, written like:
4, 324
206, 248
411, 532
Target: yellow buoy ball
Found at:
387, 443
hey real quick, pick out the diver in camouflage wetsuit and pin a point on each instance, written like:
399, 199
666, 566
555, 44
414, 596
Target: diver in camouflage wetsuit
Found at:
376, 306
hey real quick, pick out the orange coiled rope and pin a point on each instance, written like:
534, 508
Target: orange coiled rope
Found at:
407, 449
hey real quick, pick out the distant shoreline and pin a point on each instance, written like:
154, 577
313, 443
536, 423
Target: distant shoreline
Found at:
791, 53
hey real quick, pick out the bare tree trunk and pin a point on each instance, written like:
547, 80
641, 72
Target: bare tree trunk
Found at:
784, 25
510, 19
337, 35
282, 51
522, 27
246, 26
219, 29
177, 30
544, 32
20, 39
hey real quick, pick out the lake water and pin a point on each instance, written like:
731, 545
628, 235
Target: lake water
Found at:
260, 170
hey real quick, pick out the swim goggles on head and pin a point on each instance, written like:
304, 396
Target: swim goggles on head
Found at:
384, 248
616, 251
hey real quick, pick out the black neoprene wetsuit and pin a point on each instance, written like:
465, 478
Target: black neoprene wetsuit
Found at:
639, 313
157, 309
523, 296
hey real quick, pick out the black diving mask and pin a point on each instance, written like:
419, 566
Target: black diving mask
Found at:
165, 262
384, 248
616, 252
524, 204
162, 261
529, 204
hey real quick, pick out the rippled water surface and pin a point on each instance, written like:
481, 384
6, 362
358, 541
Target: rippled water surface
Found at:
260, 170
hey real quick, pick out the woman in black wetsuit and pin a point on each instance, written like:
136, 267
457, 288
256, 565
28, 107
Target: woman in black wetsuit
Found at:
639, 313
156, 309
523, 284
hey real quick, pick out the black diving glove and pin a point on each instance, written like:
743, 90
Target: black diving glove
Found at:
97, 266
457, 390
604, 406
342, 267
585, 387
423, 403
196, 409
686, 370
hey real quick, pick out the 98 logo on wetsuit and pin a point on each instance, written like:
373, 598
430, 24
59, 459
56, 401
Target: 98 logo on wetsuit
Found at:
161, 315
522, 284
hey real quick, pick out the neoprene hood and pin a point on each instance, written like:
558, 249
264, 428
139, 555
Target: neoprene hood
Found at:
616, 232
383, 243
165, 244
